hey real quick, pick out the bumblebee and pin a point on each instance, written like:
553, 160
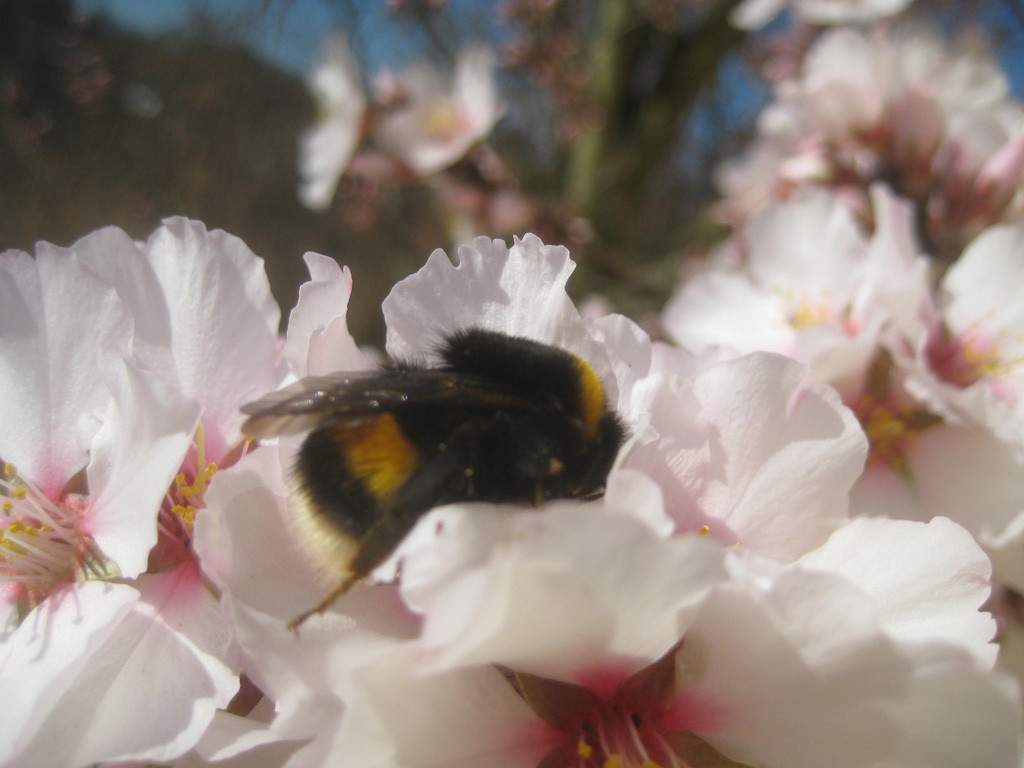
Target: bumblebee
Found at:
501, 419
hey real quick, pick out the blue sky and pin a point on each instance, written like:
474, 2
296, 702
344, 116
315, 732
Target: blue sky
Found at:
289, 32
289, 35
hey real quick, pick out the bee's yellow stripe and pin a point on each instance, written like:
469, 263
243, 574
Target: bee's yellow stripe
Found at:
592, 397
379, 454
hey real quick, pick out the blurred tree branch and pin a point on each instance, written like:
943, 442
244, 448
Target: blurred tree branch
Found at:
612, 162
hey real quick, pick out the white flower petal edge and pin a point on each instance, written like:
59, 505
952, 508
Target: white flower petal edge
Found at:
134, 457
54, 395
545, 591
804, 676
765, 457
519, 290
790, 667
326, 149
98, 693
248, 550
224, 323
928, 581
318, 341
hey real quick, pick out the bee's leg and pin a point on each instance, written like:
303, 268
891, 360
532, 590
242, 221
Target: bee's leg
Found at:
381, 540
392, 525
340, 589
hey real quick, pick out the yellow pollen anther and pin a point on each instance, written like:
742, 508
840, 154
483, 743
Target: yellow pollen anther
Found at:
20, 493
704, 530
8, 505
440, 120
987, 362
10, 469
180, 479
584, 750
186, 513
807, 315
891, 429
613, 762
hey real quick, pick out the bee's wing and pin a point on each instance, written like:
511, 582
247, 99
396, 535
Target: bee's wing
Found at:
353, 397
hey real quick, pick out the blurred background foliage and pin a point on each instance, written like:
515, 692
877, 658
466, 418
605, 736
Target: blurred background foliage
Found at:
616, 114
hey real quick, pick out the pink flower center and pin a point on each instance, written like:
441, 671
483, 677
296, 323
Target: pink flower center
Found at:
892, 427
41, 541
615, 721
968, 358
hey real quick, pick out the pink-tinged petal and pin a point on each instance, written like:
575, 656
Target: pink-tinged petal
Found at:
630, 350
463, 718
54, 397
549, 592
807, 249
224, 323
246, 548
1000, 177
956, 713
954, 472
144, 692
788, 453
728, 309
673, 449
318, 341
244, 543
1006, 552
326, 149
637, 494
119, 261
839, 90
43, 659
475, 91
897, 276
518, 290
431, 124
754, 14
133, 460
239, 742
307, 675
802, 676
882, 492
797, 676
986, 290
184, 602
847, 11
928, 580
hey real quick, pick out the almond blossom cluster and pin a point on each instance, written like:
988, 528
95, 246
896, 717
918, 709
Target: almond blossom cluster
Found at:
738, 596
419, 121
903, 104
879, 240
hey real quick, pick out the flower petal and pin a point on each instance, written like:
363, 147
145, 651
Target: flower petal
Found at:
224, 323
318, 341
134, 457
927, 580
52, 382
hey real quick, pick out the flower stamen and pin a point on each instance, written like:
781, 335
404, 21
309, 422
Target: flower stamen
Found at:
41, 543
